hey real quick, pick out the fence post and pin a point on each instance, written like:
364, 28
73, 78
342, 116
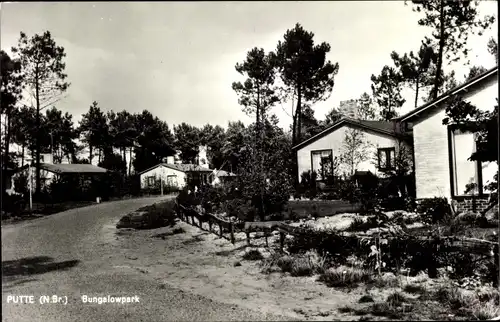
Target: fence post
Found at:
247, 232
231, 225
266, 234
220, 230
282, 240
210, 224
432, 265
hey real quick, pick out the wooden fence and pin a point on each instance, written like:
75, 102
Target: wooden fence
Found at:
453, 243
196, 219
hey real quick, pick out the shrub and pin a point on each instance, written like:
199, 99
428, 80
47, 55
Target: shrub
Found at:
13, 204
300, 265
434, 210
253, 255
415, 289
345, 276
308, 185
386, 309
397, 299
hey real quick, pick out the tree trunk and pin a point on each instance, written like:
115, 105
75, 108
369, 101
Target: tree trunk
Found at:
439, 65
99, 155
37, 144
90, 153
130, 161
299, 113
22, 155
6, 158
417, 86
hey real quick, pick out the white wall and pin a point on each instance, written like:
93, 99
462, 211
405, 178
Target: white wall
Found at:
163, 172
430, 138
334, 141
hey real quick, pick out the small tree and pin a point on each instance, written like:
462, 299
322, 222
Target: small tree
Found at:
353, 150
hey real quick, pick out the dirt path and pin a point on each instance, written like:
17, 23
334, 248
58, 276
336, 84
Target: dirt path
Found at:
204, 264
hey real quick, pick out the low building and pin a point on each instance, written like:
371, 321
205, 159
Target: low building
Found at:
384, 141
173, 175
50, 172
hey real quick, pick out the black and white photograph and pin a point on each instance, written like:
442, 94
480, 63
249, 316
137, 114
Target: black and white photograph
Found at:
249, 161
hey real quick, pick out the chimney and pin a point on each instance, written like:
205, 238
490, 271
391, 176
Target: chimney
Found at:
202, 157
170, 159
46, 158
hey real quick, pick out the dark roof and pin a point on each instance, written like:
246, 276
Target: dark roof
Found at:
72, 168
492, 73
383, 127
180, 167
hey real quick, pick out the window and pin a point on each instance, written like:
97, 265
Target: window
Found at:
468, 177
151, 181
386, 158
322, 163
171, 180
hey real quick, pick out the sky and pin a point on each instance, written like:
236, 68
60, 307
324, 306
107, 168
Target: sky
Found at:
177, 59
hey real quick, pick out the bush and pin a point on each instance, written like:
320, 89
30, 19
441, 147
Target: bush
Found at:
306, 264
13, 204
308, 186
345, 277
253, 255
435, 210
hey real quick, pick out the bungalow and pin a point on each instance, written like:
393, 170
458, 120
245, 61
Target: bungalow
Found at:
50, 171
383, 141
172, 175
441, 153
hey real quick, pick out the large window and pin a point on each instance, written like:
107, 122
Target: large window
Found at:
468, 177
322, 162
151, 181
386, 158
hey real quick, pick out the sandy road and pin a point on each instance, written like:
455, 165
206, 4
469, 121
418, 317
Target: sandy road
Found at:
71, 254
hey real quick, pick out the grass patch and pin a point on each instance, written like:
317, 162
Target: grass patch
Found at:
397, 299
389, 310
345, 277
306, 264
253, 255
486, 311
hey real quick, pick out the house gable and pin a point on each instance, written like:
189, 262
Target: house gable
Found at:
474, 85
381, 127
433, 147
334, 140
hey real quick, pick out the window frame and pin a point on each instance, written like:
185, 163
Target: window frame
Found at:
313, 152
149, 181
387, 154
452, 167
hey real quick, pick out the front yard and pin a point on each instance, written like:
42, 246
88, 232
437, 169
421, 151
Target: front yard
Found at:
306, 285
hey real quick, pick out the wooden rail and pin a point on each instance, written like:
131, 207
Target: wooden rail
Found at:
453, 243
189, 216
